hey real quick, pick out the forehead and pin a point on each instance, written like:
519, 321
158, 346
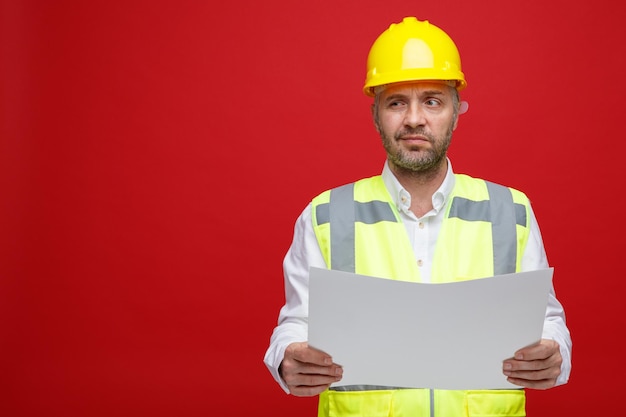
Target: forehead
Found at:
416, 88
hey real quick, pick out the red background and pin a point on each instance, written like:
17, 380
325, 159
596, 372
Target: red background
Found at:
154, 156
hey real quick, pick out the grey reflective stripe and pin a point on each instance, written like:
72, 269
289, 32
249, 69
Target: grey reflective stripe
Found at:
368, 213
364, 388
341, 217
503, 214
432, 402
342, 212
470, 210
503, 229
520, 214
374, 212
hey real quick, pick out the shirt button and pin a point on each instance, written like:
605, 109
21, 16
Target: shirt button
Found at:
420, 262
421, 225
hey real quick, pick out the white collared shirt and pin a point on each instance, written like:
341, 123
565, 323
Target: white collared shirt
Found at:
304, 253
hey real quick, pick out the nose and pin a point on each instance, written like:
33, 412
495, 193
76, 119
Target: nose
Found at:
414, 116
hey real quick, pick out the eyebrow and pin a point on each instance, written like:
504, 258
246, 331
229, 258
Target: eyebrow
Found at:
426, 93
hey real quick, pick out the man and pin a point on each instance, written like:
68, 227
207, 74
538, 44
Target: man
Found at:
421, 226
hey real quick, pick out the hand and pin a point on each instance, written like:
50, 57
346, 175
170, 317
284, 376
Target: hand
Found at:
308, 371
536, 366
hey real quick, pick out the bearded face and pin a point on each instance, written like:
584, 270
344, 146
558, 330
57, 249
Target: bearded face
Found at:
415, 122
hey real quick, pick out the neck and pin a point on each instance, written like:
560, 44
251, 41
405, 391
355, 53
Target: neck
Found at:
421, 185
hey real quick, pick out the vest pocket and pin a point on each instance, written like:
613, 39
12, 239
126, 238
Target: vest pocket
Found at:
496, 403
374, 403
356, 403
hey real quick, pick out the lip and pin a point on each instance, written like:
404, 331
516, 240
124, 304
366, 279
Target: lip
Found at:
414, 139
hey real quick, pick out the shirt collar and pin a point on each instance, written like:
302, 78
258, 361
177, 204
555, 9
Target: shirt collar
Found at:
402, 198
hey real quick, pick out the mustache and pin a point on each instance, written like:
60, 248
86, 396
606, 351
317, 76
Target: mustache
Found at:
410, 131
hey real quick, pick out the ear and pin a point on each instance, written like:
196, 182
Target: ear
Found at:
463, 107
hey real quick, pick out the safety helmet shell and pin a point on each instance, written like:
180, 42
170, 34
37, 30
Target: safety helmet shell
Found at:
413, 50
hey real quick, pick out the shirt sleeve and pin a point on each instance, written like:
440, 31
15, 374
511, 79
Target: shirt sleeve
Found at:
303, 253
555, 326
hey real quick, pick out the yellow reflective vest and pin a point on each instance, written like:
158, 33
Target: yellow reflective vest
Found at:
484, 233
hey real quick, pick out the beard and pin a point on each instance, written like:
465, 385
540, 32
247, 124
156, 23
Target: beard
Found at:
410, 159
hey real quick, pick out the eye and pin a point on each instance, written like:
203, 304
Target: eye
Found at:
395, 104
432, 102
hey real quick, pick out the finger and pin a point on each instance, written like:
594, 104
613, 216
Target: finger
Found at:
302, 352
542, 350
307, 384
312, 380
535, 375
539, 384
307, 391
513, 366
309, 369
295, 372
292, 368
553, 362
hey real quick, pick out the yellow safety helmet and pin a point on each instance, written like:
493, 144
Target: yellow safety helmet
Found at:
410, 51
